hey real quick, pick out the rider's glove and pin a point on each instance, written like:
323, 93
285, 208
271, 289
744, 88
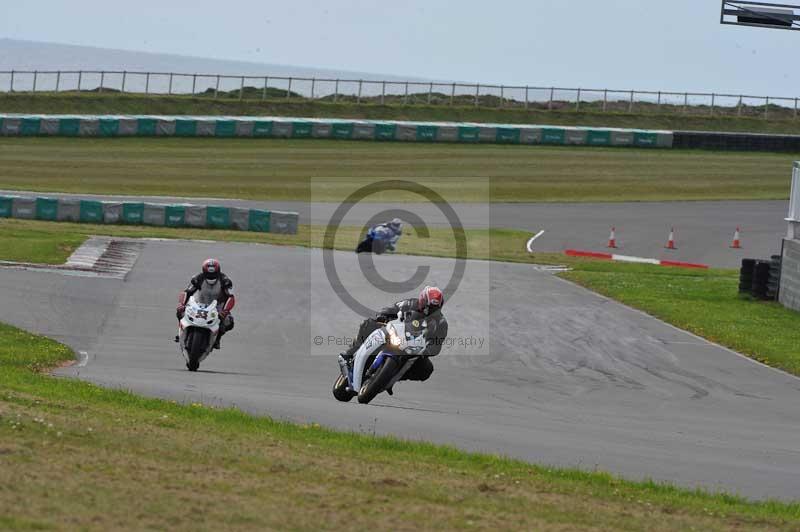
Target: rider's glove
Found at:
179, 311
223, 314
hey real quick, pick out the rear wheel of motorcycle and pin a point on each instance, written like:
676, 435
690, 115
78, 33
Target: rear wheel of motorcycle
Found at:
196, 345
378, 381
340, 391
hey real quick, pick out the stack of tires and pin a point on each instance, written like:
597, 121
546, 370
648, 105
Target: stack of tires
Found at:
773, 284
760, 278
746, 277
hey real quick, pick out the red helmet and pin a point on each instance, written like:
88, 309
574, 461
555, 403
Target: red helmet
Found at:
211, 269
431, 299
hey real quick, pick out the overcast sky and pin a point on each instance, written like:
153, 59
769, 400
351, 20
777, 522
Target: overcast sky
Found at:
642, 44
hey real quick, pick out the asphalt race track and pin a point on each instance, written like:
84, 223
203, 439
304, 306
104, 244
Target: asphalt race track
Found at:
570, 378
704, 229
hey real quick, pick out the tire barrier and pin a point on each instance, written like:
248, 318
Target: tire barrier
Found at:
760, 278
325, 128
154, 214
746, 276
710, 140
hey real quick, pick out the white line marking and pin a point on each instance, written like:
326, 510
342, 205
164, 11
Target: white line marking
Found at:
530, 242
84, 359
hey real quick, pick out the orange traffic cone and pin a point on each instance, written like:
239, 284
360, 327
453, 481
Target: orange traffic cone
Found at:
612, 238
671, 241
736, 244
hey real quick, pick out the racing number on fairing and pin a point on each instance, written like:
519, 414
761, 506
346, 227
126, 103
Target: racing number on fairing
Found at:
202, 314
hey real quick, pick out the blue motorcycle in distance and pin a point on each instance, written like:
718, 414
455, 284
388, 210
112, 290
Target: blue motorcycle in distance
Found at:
381, 238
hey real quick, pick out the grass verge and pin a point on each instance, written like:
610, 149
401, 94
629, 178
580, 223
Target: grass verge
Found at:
282, 170
646, 117
77, 456
52, 242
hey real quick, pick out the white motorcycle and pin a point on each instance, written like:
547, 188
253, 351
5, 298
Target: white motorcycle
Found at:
382, 360
198, 330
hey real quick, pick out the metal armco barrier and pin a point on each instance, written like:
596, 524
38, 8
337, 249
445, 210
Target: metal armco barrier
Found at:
326, 128
156, 214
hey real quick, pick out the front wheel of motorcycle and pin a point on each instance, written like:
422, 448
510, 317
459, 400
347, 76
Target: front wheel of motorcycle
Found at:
340, 391
378, 381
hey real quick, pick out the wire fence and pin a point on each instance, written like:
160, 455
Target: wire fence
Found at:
248, 87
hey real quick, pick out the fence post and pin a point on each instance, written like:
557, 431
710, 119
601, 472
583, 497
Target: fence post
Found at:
11, 89
146, 83
502, 96
630, 105
477, 94
336, 91
453, 95
405, 97
35, 75
685, 102
216, 88
766, 108
383, 92
795, 107
658, 105
313, 86
80, 77
739, 106
194, 84
713, 102
289, 89
124, 75
241, 90
527, 99
578, 102
430, 93
360, 88
58, 80
264, 92
605, 99
170, 84
102, 80
550, 102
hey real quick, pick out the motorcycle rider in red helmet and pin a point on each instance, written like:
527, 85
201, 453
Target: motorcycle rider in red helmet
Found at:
429, 303
217, 286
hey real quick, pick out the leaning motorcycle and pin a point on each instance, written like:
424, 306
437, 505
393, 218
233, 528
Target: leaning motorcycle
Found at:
382, 360
198, 330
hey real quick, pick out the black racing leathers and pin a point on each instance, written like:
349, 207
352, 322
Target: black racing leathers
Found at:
436, 335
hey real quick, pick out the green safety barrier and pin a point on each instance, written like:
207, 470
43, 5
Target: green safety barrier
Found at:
385, 131
189, 126
46, 209
596, 137
553, 136
218, 217
225, 128
259, 221
468, 134
6, 205
146, 127
341, 130
427, 133
645, 139
132, 213
109, 127
506, 135
302, 130
30, 126
91, 211
175, 216
262, 128
69, 127
185, 128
